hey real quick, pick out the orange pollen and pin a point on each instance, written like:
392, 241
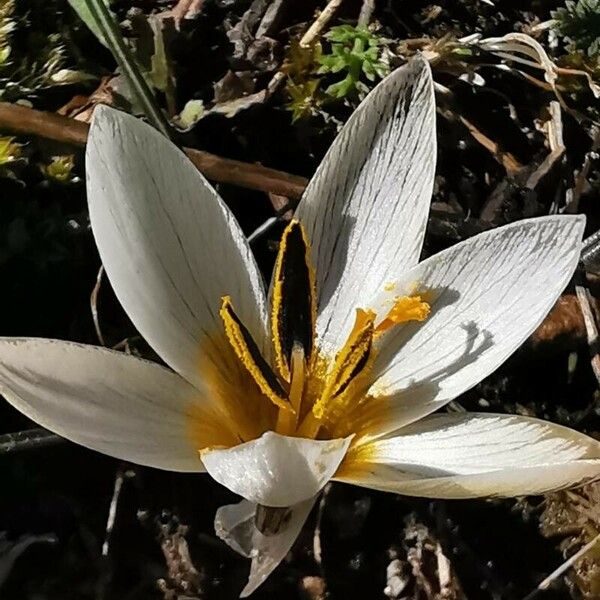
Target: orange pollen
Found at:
405, 308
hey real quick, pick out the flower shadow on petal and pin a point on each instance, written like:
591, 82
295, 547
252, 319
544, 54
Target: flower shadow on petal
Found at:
383, 412
471, 352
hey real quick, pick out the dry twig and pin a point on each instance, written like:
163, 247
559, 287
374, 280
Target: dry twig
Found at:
27, 121
574, 193
506, 159
307, 40
585, 302
94, 305
546, 583
27, 440
554, 134
366, 12
314, 31
120, 477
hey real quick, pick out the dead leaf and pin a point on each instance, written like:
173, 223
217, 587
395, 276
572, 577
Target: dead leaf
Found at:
233, 85
185, 10
520, 48
250, 43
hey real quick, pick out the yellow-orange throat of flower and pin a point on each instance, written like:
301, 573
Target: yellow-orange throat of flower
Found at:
310, 390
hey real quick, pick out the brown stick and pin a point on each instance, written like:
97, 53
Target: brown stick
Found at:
506, 159
23, 120
307, 40
27, 121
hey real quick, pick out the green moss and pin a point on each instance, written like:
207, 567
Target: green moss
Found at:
10, 151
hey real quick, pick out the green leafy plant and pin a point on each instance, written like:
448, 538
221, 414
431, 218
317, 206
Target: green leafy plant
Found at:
10, 151
11, 157
302, 86
356, 52
303, 97
60, 169
579, 23
87, 15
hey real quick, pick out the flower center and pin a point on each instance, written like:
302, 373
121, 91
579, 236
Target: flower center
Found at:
311, 391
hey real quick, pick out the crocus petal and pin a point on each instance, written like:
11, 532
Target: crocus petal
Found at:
170, 246
487, 295
117, 404
235, 525
276, 470
365, 210
473, 455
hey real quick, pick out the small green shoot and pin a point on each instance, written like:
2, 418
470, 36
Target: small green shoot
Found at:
60, 169
356, 52
303, 98
10, 151
302, 86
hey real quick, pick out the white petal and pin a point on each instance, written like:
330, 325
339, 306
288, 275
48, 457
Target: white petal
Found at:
488, 295
366, 207
234, 524
117, 404
276, 470
170, 246
471, 455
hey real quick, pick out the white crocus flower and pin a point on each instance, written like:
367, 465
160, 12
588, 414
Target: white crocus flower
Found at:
336, 376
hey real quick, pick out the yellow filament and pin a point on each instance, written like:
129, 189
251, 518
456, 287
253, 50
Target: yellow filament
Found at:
406, 308
287, 420
240, 347
297, 380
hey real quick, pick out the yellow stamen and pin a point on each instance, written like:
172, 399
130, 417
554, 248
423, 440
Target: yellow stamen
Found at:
350, 361
282, 276
277, 306
350, 356
287, 420
250, 357
406, 308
